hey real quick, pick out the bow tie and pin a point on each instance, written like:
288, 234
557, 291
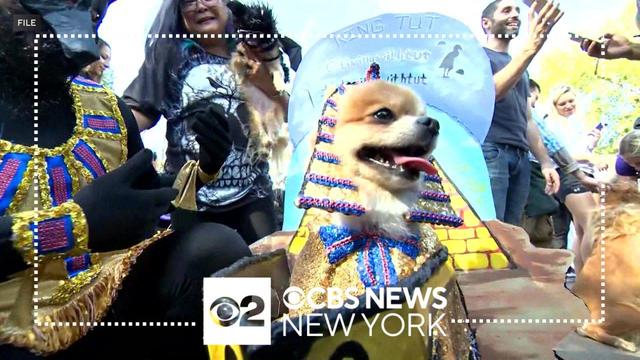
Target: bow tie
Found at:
374, 252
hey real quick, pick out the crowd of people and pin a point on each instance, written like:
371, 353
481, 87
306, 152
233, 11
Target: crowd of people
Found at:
539, 160
558, 178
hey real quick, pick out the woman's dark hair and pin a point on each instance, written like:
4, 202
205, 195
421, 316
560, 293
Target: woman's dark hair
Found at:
534, 85
630, 144
490, 9
102, 43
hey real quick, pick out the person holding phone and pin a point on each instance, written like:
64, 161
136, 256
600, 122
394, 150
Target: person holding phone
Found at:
574, 199
513, 132
563, 120
616, 46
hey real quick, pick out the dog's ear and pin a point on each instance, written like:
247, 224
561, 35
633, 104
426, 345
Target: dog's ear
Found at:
238, 9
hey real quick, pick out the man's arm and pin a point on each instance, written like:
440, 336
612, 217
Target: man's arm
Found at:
537, 148
507, 78
569, 166
540, 26
535, 142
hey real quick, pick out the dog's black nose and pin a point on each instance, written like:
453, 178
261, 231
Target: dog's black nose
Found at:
431, 123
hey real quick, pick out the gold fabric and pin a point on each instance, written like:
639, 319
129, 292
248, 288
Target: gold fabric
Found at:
454, 344
24, 236
185, 183
66, 307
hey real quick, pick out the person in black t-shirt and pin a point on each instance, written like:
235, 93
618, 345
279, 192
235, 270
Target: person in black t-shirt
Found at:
182, 75
513, 133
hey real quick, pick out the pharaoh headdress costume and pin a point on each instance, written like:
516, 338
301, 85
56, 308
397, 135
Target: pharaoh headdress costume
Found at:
418, 261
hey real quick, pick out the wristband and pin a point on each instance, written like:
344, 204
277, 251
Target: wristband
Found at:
53, 233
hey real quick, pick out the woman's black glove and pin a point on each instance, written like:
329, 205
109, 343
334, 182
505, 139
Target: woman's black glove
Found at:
209, 122
123, 207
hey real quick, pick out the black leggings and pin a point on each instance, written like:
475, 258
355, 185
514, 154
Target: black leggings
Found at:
165, 284
253, 220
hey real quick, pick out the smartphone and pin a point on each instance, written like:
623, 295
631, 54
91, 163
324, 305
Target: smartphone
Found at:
601, 126
578, 38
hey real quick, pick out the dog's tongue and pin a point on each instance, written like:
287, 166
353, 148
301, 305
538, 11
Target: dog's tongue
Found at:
415, 163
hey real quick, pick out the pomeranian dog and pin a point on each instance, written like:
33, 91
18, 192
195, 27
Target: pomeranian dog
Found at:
256, 27
619, 326
383, 138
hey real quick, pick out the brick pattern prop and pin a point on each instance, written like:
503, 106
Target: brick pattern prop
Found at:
471, 246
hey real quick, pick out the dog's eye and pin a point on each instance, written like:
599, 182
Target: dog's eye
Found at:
383, 115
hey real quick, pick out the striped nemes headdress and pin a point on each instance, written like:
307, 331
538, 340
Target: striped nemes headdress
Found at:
325, 186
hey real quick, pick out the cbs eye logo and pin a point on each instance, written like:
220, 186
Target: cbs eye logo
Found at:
225, 311
236, 311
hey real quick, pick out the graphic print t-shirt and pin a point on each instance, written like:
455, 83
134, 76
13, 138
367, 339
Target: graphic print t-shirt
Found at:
171, 80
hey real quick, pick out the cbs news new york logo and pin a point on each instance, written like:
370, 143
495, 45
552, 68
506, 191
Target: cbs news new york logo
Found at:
237, 311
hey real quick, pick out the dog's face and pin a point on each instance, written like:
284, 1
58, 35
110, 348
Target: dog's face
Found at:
383, 136
256, 19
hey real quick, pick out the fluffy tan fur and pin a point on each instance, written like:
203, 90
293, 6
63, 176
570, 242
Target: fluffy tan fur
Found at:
620, 325
267, 136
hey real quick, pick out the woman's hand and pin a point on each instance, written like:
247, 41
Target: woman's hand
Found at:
210, 124
602, 166
588, 182
594, 138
